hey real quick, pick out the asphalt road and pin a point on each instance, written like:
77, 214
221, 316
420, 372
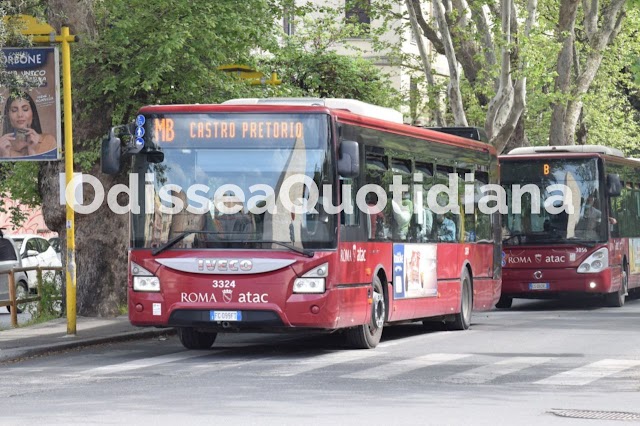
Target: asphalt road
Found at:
533, 364
5, 318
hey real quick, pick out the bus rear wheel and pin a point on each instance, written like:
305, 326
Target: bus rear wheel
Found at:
194, 339
367, 336
617, 299
462, 320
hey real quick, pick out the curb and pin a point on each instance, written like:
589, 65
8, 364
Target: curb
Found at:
13, 355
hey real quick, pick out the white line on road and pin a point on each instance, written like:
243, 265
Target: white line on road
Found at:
396, 368
427, 336
145, 362
489, 372
589, 373
321, 361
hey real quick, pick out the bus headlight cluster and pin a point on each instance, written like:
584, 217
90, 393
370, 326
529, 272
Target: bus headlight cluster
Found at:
144, 280
313, 281
597, 262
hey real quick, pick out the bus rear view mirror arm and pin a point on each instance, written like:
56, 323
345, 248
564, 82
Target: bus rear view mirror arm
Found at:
122, 140
349, 161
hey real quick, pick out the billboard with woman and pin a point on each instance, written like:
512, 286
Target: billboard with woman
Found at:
31, 112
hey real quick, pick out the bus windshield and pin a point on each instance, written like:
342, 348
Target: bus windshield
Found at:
563, 203
233, 181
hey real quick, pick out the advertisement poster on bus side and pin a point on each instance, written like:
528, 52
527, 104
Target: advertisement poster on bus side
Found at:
31, 118
415, 271
634, 246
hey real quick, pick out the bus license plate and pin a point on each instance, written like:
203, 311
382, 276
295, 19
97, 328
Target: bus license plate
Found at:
538, 286
225, 315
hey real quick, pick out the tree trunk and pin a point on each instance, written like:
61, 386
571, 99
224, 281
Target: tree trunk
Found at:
100, 241
100, 237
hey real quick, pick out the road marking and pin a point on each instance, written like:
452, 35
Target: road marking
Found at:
396, 368
145, 362
489, 372
589, 373
321, 361
438, 335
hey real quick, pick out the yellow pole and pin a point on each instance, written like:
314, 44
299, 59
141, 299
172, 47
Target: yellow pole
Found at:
68, 170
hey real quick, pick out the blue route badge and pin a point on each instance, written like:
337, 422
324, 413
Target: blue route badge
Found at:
140, 120
139, 132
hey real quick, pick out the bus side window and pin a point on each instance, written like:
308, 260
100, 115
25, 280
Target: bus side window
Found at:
349, 213
468, 222
447, 224
402, 212
483, 220
423, 219
377, 225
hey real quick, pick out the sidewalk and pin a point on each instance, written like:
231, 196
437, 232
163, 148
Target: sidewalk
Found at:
24, 342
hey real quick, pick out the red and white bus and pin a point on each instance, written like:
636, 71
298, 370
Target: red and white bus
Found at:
268, 266
590, 242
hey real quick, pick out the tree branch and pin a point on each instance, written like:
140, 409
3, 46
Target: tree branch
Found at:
480, 19
428, 32
426, 64
500, 140
455, 97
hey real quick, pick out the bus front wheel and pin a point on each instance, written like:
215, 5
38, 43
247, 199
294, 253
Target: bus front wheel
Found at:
367, 336
462, 320
194, 339
616, 299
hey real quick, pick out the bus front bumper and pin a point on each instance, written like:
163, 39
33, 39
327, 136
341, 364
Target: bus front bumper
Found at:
533, 283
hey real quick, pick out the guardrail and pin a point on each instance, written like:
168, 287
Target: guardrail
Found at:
12, 302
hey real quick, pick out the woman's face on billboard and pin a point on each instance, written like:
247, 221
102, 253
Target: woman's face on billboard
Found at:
20, 114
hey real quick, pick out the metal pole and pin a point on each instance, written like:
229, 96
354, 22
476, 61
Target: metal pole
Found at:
12, 299
68, 169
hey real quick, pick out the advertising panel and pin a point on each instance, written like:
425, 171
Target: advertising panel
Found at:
415, 270
31, 128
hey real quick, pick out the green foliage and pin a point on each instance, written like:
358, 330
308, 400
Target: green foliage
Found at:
315, 62
19, 181
50, 304
165, 52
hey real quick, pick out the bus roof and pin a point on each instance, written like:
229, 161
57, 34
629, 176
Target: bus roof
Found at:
574, 149
352, 105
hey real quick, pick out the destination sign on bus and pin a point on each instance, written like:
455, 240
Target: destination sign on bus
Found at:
199, 128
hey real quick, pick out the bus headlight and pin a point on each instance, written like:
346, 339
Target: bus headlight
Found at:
144, 280
597, 262
146, 284
313, 281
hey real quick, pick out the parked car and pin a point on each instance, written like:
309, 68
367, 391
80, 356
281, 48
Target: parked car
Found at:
36, 251
55, 243
10, 258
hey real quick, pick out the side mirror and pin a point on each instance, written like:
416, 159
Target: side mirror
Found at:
31, 253
111, 153
349, 161
155, 157
614, 186
122, 140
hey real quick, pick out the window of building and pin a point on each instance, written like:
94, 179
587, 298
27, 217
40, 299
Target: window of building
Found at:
357, 12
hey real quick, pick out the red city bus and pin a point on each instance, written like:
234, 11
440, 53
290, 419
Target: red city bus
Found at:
590, 247
267, 266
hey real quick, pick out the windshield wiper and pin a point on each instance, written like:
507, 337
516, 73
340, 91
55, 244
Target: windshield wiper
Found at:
515, 235
180, 237
175, 240
580, 242
304, 252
